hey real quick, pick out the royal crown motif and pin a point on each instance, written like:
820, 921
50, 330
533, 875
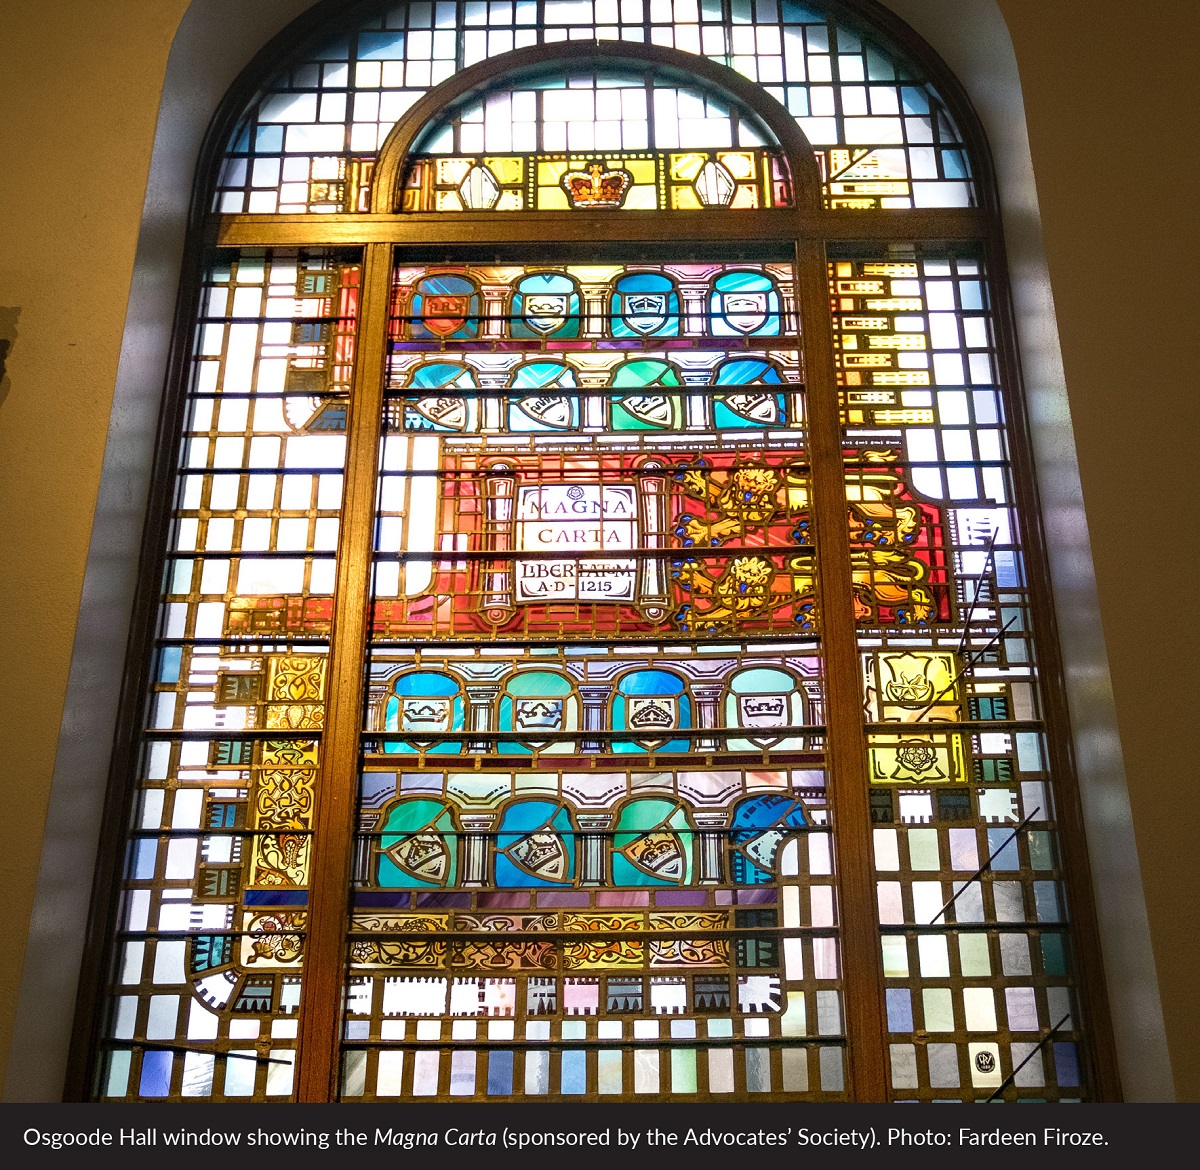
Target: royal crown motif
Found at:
431, 711
652, 714
539, 714
597, 186
541, 854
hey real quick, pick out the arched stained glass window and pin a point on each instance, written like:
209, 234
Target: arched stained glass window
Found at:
883, 134
601, 558
598, 140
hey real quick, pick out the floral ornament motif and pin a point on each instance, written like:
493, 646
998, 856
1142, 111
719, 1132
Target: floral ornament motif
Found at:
276, 939
296, 679
910, 685
282, 860
398, 952
529, 955
688, 952
916, 757
284, 797
932, 759
282, 800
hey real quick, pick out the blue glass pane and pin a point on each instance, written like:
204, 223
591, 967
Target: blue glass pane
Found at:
899, 1009
574, 1072
156, 1073
500, 1074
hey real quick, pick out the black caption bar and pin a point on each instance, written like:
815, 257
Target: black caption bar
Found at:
154, 1135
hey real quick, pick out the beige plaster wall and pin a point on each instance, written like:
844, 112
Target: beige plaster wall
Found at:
1111, 109
79, 91
1111, 106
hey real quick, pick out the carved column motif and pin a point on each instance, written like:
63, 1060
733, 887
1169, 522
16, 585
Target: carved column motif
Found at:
477, 829
708, 699
653, 585
497, 600
494, 298
481, 697
711, 838
595, 703
591, 848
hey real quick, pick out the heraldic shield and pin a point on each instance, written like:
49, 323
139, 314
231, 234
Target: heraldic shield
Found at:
652, 845
535, 845
418, 846
445, 307
644, 304
746, 304
546, 304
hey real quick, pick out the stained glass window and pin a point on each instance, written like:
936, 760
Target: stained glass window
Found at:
884, 136
548, 506
209, 967
645, 619
606, 140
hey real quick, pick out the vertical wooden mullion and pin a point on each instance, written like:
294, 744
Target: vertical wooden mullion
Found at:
862, 966
318, 1043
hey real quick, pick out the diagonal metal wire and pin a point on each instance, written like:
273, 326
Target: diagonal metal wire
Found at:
963, 673
987, 565
984, 867
1012, 1076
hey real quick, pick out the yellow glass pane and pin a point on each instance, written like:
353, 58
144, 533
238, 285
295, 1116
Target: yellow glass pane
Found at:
908, 418
900, 378
914, 685
684, 199
925, 759
507, 169
510, 201
596, 273
739, 163
687, 166
896, 271
642, 169
548, 174
745, 196
641, 198
452, 171
552, 199
897, 341
896, 305
447, 201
